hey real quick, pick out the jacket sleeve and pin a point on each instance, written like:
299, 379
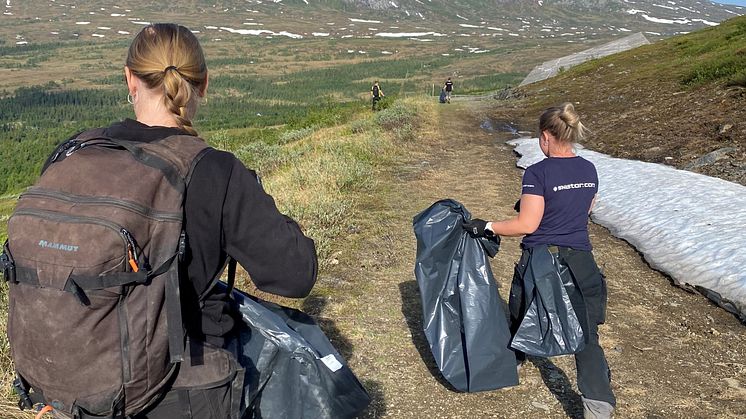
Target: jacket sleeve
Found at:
271, 246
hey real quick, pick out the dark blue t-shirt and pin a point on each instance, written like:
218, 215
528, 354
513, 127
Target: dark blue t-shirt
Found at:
568, 186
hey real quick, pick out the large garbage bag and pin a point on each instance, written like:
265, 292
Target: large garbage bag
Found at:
464, 320
292, 370
551, 325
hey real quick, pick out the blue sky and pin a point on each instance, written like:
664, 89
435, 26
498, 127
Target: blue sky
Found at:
737, 2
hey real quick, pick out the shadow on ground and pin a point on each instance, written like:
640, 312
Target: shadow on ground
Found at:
411, 308
560, 386
377, 407
554, 378
314, 307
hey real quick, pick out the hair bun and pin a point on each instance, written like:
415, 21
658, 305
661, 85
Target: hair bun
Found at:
563, 122
568, 115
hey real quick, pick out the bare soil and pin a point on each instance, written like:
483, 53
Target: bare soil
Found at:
672, 353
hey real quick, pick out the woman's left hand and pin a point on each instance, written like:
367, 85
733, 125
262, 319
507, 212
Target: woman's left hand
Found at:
477, 228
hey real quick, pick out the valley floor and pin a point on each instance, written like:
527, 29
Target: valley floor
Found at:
672, 353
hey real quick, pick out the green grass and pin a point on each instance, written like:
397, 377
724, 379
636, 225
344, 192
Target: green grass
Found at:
715, 54
6, 207
279, 107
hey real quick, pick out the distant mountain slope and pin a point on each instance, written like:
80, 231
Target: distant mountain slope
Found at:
666, 17
504, 21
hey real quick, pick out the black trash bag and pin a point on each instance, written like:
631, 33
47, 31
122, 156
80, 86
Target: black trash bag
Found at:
442, 97
551, 325
292, 370
464, 319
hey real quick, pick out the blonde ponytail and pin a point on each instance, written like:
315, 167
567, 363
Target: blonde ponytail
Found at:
563, 123
169, 57
180, 99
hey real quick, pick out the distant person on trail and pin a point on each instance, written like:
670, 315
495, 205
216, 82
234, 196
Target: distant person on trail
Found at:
376, 94
557, 197
448, 87
226, 215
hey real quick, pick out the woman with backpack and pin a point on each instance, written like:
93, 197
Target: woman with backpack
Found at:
227, 212
126, 353
558, 194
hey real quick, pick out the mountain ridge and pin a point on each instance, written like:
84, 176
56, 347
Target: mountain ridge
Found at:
573, 20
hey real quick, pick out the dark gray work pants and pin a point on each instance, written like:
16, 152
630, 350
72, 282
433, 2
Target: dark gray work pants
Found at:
594, 376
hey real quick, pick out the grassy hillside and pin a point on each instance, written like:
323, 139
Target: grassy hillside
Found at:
41, 105
671, 102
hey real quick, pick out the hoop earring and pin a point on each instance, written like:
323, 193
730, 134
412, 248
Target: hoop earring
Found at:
130, 100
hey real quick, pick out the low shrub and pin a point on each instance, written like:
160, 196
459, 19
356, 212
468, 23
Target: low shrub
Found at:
295, 135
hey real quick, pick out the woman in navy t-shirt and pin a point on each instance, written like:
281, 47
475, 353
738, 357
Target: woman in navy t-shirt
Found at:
558, 194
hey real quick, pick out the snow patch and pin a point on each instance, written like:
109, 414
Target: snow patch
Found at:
680, 21
407, 34
706, 22
687, 225
260, 32
664, 6
364, 21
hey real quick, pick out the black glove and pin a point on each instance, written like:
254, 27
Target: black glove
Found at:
477, 228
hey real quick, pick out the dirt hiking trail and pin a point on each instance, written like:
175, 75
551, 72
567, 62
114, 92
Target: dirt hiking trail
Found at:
672, 353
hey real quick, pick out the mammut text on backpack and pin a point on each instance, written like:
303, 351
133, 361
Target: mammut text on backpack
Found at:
92, 264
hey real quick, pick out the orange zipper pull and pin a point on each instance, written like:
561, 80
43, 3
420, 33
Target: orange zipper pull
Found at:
132, 261
45, 409
131, 250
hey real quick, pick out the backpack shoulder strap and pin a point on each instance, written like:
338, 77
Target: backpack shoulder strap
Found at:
230, 280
